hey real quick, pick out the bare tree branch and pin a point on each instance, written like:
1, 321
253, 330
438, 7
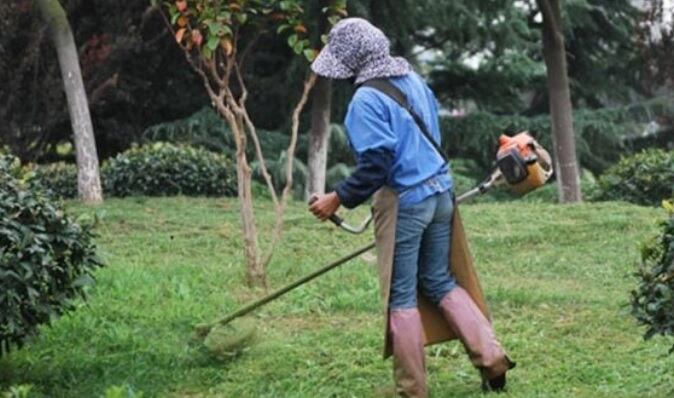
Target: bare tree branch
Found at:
278, 229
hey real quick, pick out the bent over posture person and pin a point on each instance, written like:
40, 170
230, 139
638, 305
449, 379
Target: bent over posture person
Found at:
413, 205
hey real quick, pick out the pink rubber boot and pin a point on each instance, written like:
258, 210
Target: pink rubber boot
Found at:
409, 367
477, 336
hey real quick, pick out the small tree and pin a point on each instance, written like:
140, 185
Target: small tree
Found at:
88, 174
216, 37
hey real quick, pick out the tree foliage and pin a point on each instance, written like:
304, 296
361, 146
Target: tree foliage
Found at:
491, 53
131, 70
216, 37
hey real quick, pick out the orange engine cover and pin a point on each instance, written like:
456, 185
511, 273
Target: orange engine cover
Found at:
523, 162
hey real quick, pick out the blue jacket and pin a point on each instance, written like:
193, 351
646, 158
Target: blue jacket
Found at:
390, 149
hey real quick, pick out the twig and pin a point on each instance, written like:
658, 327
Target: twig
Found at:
256, 142
278, 228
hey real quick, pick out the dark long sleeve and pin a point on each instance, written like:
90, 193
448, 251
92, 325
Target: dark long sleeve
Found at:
372, 171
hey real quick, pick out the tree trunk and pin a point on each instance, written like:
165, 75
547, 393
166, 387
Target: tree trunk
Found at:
255, 272
88, 177
319, 136
561, 112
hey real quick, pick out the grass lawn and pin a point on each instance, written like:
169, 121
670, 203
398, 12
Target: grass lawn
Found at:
557, 279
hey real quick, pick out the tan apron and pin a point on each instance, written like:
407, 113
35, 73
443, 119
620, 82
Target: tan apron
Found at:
435, 328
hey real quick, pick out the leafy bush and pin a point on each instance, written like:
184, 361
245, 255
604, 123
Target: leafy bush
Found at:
59, 178
645, 178
46, 259
653, 299
203, 128
162, 169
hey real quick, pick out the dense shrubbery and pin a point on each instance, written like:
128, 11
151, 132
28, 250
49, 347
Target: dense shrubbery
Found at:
162, 169
157, 169
645, 178
46, 259
58, 178
653, 300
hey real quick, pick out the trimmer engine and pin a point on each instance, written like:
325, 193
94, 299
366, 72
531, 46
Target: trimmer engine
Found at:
523, 162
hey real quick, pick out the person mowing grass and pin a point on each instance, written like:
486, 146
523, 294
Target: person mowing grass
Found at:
392, 124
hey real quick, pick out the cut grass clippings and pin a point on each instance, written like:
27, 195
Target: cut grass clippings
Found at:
557, 279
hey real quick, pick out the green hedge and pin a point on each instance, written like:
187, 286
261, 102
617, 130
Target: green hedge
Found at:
653, 299
46, 259
58, 178
162, 169
645, 178
157, 169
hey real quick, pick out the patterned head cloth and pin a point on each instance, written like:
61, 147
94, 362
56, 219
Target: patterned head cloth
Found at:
357, 48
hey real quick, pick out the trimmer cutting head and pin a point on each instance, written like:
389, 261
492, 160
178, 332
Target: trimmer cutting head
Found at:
224, 342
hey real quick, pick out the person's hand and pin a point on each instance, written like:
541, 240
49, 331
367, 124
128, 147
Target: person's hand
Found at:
324, 205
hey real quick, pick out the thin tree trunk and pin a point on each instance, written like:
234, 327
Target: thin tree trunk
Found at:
319, 136
255, 272
561, 112
88, 177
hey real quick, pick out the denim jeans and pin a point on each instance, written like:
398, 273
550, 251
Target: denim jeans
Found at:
421, 258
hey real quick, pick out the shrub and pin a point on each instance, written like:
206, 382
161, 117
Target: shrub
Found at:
46, 259
653, 299
58, 178
645, 178
162, 169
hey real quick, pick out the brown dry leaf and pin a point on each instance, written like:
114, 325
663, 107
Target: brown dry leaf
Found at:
226, 44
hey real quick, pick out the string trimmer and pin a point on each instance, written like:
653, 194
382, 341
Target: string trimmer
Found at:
522, 165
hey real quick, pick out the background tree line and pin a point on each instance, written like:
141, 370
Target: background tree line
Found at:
483, 58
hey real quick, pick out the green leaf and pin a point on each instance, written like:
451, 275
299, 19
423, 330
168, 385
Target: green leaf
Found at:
213, 42
207, 52
213, 26
310, 54
286, 5
282, 28
174, 17
242, 18
292, 40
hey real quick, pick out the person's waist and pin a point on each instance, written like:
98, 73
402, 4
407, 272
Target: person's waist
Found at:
436, 183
